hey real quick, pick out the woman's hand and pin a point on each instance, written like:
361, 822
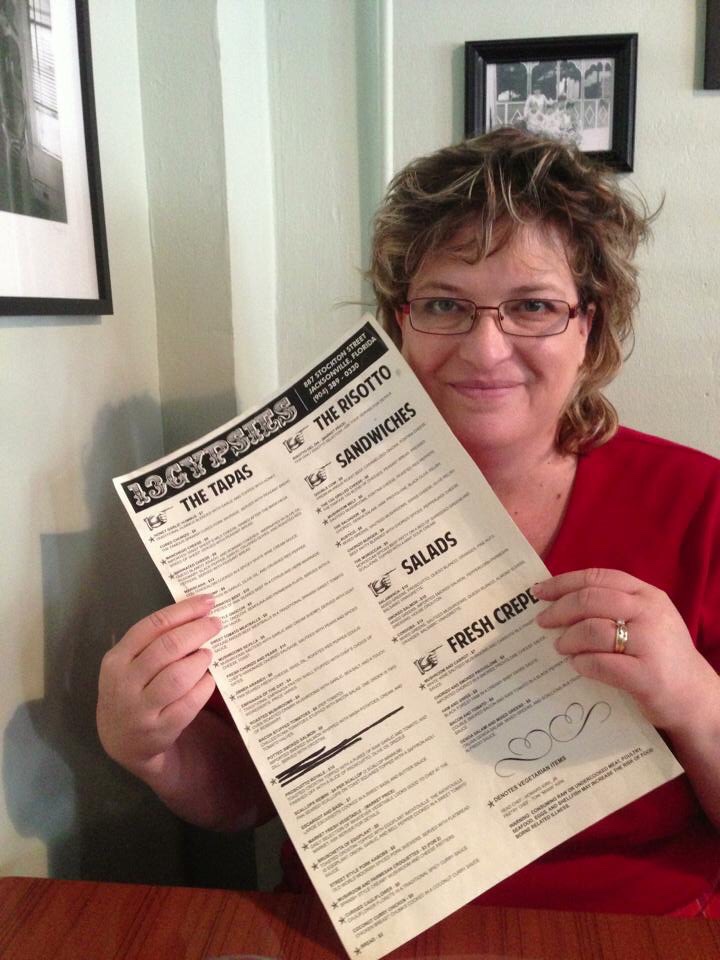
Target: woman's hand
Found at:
672, 683
153, 684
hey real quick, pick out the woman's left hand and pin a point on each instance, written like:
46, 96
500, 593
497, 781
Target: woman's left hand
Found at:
659, 667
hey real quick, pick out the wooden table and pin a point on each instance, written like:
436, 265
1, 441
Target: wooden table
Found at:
77, 920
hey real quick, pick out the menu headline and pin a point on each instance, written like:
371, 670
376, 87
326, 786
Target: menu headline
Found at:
242, 437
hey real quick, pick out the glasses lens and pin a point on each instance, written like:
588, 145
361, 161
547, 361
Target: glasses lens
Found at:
534, 318
441, 315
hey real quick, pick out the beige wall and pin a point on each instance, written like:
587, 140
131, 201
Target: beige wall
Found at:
331, 127
671, 385
85, 399
182, 115
80, 403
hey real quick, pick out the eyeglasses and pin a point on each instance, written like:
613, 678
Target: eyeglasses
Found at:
448, 316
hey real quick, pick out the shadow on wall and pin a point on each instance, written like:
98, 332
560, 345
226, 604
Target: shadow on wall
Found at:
97, 821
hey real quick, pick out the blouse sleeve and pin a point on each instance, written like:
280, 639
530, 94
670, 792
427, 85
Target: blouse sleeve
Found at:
708, 639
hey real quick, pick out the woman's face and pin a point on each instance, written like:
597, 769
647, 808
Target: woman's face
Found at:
497, 391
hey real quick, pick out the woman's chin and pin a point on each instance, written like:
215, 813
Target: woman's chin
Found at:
483, 434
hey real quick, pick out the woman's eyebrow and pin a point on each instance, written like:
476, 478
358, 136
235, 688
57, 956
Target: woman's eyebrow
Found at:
440, 286
540, 284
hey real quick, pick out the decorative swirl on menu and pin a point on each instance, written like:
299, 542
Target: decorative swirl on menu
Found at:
563, 728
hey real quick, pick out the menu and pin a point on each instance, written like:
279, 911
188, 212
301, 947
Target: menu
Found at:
415, 728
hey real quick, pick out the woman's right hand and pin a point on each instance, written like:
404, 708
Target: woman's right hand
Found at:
153, 684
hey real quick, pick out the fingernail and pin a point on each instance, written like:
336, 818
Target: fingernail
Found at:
207, 599
216, 622
538, 588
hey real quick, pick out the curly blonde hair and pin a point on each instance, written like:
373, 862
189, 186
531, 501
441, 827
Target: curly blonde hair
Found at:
498, 183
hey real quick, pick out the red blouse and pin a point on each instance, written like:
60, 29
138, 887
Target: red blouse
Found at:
651, 508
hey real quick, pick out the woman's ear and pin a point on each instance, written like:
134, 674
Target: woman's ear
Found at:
588, 316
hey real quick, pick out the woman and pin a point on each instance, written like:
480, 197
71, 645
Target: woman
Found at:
503, 269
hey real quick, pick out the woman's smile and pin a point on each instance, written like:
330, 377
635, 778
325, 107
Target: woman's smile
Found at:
485, 389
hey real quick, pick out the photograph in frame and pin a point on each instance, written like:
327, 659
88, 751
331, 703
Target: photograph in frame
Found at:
711, 77
580, 90
53, 250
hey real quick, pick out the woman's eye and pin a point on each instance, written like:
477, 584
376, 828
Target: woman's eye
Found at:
442, 306
536, 306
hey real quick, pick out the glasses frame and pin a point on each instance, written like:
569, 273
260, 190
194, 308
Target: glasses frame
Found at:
477, 307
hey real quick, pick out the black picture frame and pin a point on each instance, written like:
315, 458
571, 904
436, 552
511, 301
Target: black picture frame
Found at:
711, 80
616, 54
54, 236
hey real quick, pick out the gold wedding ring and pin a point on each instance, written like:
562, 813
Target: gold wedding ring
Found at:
621, 636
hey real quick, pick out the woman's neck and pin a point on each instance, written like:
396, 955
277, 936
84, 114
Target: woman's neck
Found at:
517, 468
533, 487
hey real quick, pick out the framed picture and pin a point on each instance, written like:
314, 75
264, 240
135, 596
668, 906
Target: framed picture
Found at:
578, 89
712, 46
53, 250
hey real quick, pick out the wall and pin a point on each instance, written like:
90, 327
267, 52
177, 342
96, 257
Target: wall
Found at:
322, 64
182, 114
327, 125
85, 399
247, 134
671, 385
80, 403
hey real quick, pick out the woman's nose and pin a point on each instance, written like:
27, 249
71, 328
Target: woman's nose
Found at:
486, 340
